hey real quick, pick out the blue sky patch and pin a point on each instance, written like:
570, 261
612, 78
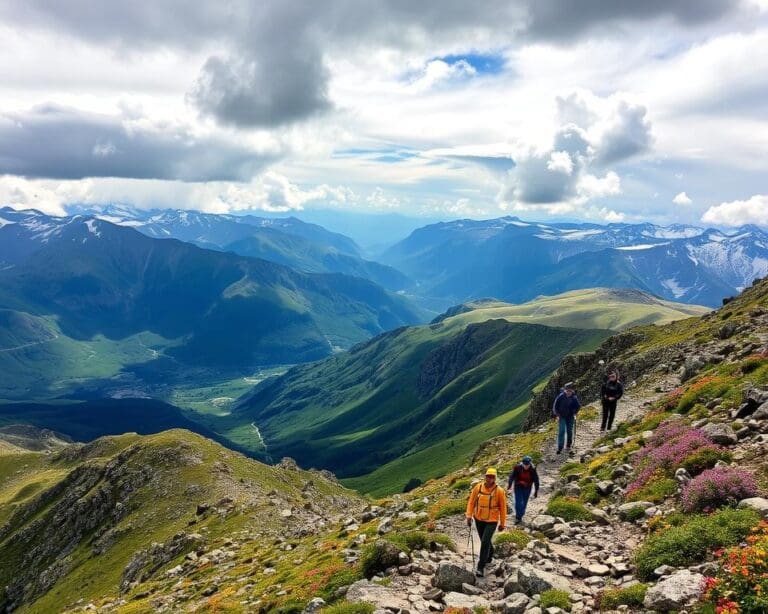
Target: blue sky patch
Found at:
483, 63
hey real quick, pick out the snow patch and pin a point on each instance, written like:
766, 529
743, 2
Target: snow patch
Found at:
92, 227
675, 288
4, 222
634, 248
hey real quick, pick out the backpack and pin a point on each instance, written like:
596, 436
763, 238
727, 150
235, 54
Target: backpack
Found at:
491, 498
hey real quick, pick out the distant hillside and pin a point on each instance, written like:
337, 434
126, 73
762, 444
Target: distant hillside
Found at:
515, 260
101, 519
73, 281
414, 402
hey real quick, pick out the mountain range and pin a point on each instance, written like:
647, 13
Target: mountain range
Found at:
513, 260
288, 241
81, 280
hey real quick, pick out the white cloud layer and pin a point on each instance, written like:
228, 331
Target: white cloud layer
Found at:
739, 212
682, 199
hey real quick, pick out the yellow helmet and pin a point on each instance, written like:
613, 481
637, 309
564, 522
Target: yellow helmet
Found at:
490, 471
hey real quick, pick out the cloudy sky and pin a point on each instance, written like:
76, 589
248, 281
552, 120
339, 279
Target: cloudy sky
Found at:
602, 110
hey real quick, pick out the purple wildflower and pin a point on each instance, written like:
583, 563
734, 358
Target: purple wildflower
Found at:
717, 487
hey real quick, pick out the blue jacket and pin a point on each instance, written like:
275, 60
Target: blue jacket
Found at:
565, 406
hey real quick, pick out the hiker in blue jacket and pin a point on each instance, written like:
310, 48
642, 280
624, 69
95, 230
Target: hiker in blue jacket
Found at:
564, 410
522, 480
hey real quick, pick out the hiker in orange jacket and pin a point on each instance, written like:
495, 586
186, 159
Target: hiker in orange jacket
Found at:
487, 505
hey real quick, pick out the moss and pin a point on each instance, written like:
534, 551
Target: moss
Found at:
655, 491
635, 514
448, 508
631, 596
345, 607
568, 509
690, 543
514, 538
589, 492
704, 458
420, 540
555, 599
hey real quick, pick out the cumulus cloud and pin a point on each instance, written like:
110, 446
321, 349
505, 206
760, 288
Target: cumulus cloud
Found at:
270, 191
738, 212
594, 132
58, 142
682, 199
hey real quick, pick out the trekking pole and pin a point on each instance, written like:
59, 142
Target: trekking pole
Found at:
472, 542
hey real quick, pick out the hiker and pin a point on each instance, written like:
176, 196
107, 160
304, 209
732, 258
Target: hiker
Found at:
564, 410
487, 505
522, 480
610, 393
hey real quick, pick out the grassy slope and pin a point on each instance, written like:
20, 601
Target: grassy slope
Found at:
180, 465
592, 308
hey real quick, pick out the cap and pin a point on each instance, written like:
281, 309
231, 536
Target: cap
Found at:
527, 459
568, 386
490, 471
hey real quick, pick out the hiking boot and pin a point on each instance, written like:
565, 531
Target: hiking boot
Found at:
518, 521
479, 573
559, 450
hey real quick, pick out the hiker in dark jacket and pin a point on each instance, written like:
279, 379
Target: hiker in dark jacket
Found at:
522, 480
564, 410
610, 393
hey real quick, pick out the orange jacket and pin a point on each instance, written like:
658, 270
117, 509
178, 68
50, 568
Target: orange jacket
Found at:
488, 505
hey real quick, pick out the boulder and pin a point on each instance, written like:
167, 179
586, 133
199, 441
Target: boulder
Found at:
605, 487
675, 592
720, 433
543, 523
385, 526
384, 597
761, 413
599, 516
535, 581
759, 504
462, 601
627, 509
450, 577
314, 606
516, 603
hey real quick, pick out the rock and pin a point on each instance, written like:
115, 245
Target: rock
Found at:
516, 603
599, 516
627, 509
433, 594
663, 570
385, 526
682, 475
543, 523
572, 489
533, 581
511, 584
450, 577
461, 601
720, 433
381, 596
761, 413
759, 504
598, 569
286, 513
675, 592
313, 606
605, 487
470, 589
693, 364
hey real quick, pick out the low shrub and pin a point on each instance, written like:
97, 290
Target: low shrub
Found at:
704, 458
462, 485
568, 508
656, 488
508, 542
379, 556
632, 596
718, 487
690, 542
345, 607
555, 599
672, 442
741, 582
589, 492
342, 577
420, 540
411, 484
448, 507
635, 514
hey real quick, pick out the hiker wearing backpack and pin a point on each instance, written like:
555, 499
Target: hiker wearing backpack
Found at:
487, 506
564, 410
610, 393
522, 481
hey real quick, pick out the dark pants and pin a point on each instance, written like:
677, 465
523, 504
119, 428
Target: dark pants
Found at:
609, 413
522, 494
485, 530
565, 430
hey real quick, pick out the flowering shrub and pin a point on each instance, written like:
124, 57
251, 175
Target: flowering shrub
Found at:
717, 487
672, 442
741, 583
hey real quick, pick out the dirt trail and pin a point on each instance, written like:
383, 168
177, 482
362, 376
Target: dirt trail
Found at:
587, 432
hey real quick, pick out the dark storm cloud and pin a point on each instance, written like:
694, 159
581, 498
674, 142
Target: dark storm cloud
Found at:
62, 143
270, 68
